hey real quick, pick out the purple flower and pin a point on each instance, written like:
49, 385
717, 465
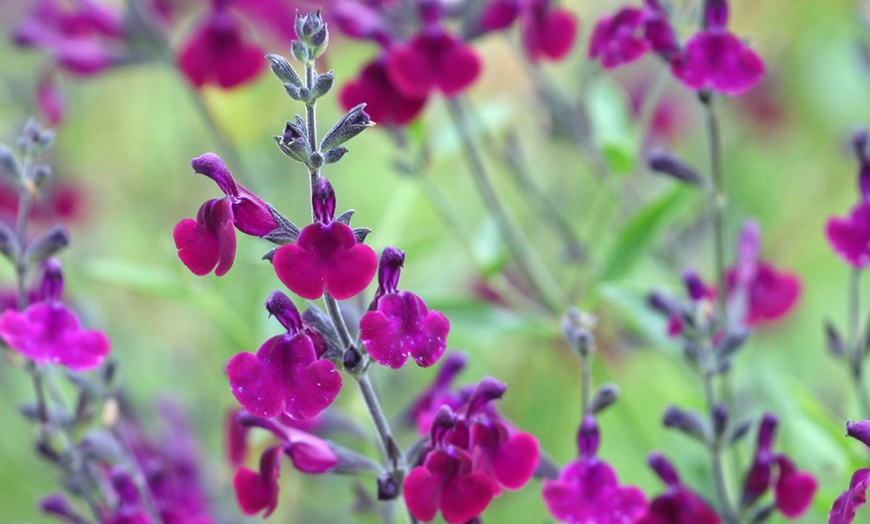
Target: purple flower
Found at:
217, 53
588, 490
385, 104
423, 410
398, 323
547, 33
209, 242
50, 332
433, 60
258, 490
286, 375
326, 257
678, 504
470, 456
850, 235
620, 38
83, 39
793, 490
716, 59
847, 504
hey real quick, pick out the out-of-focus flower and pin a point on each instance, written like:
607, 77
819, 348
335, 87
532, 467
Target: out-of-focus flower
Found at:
547, 33
847, 504
258, 490
588, 490
434, 60
384, 102
217, 51
793, 490
326, 257
286, 375
716, 59
424, 408
678, 504
48, 331
209, 242
470, 456
620, 38
850, 235
398, 323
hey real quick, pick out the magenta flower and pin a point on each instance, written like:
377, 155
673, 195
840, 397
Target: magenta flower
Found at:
620, 38
209, 242
793, 490
258, 490
49, 332
678, 504
498, 14
326, 257
850, 235
547, 33
84, 37
588, 490
716, 59
433, 60
217, 53
385, 104
847, 504
398, 323
285, 375
469, 458
423, 410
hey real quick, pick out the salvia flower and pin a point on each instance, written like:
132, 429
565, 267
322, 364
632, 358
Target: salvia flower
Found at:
48, 331
434, 60
84, 37
471, 455
286, 375
547, 33
257, 491
631, 32
793, 490
326, 257
678, 504
588, 490
217, 52
716, 59
847, 504
385, 103
398, 323
424, 408
209, 242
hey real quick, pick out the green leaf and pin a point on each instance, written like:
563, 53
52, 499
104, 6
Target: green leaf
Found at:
610, 117
636, 237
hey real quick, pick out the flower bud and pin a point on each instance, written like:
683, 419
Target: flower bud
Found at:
606, 395
284, 71
666, 163
10, 165
334, 155
322, 85
689, 422
388, 487
47, 244
351, 124
299, 51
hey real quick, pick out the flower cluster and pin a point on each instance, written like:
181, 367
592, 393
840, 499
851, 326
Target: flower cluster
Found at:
470, 455
712, 59
418, 60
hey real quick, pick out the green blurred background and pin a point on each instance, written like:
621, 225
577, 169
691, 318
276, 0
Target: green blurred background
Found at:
129, 136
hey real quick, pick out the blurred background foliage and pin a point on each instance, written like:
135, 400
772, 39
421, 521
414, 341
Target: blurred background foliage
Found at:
129, 135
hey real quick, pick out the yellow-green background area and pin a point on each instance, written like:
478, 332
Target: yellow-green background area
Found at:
130, 134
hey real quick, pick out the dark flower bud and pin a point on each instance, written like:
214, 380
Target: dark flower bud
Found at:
10, 164
695, 287
666, 163
859, 430
295, 92
388, 487
307, 26
351, 359
40, 174
588, 437
57, 505
281, 307
315, 161
715, 14
719, 416
334, 155
689, 422
319, 41
664, 469
100, 444
351, 124
300, 51
606, 395
663, 303
52, 280
294, 142
739, 431
859, 143
322, 85
731, 342
284, 71
8, 243
45, 450
47, 244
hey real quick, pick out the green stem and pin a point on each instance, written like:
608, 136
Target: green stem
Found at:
727, 510
856, 352
718, 205
546, 289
